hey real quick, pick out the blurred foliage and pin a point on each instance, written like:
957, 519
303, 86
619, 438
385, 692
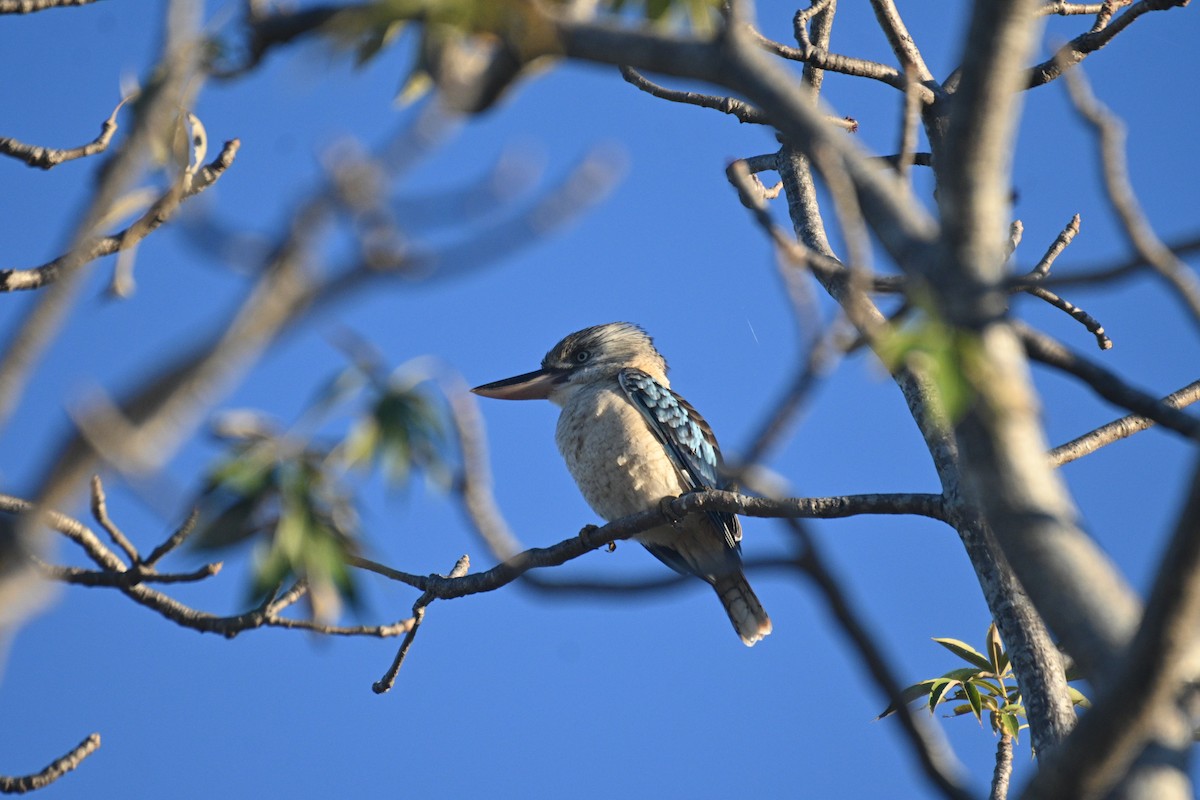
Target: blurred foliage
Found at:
291, 493
987, 684
950, 358
472, 50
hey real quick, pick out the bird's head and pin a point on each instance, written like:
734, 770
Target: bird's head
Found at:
581, 359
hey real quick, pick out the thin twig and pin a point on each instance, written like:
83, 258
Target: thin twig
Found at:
1089, 322
100, 512
13, 280
55, 770
389, 678
1079, 48
1118, 429
48, 158
740, 109
31, 6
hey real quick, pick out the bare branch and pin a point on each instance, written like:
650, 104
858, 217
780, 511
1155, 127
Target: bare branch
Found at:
100, 512
1119, 429
31, 6
1124, 268
1063, 9
1079, 48
593, 538
130, 581
58, 768
726, 105
86, 577
1043, 348
901, 41
844, 65
389, 678
819, 15
1060, 243
47, 158
174, 540
1113, 166
12, 280
1089, 322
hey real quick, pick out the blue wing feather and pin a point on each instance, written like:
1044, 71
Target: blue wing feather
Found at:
688, 440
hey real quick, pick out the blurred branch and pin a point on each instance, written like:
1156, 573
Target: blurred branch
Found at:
1041, 347
934, 755
1119, 429
56, 769
47, 158
1145, 683
1124, 268
1110, 132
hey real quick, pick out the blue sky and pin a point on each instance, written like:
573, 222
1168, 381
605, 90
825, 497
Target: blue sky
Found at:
517, 693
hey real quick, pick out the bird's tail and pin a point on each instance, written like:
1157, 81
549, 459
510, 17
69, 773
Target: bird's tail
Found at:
745, 612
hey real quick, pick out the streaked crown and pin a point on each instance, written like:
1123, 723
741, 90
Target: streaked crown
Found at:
603, 350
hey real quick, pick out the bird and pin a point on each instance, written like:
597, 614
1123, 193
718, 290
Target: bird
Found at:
630, 442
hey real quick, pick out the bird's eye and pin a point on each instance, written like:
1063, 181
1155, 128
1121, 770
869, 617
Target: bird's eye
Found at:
582, 356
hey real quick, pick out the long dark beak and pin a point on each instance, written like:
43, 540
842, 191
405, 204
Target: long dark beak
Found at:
535, 385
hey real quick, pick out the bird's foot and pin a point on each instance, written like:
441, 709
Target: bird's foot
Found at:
586, 532
666, 507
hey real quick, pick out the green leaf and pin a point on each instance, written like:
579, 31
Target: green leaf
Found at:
1078, 698
974, 699
966, 653
910, 694
964, 674
1010, 725
995, 649
937, 693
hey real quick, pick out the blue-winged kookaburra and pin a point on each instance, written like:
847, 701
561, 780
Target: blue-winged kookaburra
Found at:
629, 441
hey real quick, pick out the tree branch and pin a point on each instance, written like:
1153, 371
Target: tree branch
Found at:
47, 158
1079, 48
1146, 682
31, 6
743, 111
1119, 429
56, 769
1114, 168
1041, 347
165, 207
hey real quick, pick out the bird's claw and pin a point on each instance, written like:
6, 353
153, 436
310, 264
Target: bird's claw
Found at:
666, 507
